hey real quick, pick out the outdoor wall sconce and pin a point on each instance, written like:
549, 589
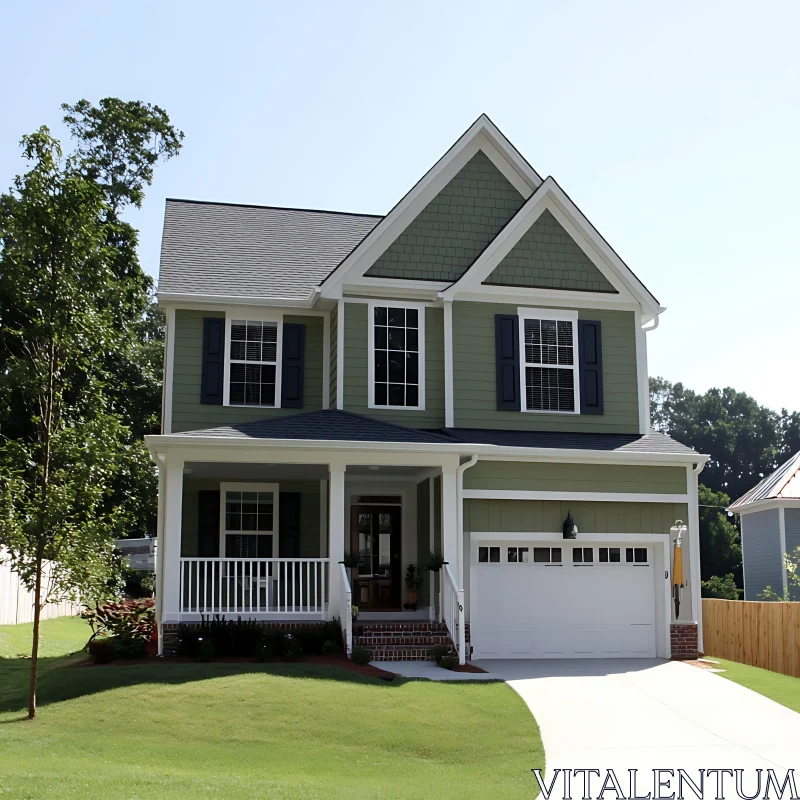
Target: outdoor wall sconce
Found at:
570, 529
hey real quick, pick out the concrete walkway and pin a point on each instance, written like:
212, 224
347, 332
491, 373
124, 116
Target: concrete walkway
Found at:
650, 714
429, 671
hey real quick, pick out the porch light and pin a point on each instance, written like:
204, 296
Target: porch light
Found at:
570, 529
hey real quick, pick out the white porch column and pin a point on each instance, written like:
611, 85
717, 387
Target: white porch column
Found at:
450, 548
694, 550
170, 543
336, 534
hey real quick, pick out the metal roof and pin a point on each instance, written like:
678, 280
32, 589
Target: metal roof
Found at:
228, 250
783, 483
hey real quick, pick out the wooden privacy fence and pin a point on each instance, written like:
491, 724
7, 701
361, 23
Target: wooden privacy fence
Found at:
760, 634
16, 602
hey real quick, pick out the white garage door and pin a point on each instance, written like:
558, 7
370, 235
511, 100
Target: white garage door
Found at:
562, 601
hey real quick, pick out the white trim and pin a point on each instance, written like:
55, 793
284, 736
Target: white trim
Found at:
240, 486
421, 342
326, 360
481, 135
692, 475
642, 375
396, 302
264, 315
577, 497
782, 532
203, 301
489, 293
403, 288
568, 315
519, 536
340, 355
449, 407
767, 504
323, 517
169, 371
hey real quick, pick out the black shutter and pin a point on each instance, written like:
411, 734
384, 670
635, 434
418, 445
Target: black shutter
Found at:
590, 363
208, 524
293, 366
213, 353
289, 525
506, 339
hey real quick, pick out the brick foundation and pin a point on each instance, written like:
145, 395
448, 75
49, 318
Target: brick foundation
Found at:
168, 631
683, 640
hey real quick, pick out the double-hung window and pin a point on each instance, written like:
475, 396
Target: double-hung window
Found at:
252, 363
549, 360
249, 519
396, 356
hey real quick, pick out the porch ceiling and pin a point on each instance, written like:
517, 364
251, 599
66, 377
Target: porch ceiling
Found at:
255, 472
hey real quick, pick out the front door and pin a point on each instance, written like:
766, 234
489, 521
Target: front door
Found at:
375, 544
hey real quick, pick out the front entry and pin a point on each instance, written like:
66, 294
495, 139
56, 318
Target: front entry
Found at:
375, 540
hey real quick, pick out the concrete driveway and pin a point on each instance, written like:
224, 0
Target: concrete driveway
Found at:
647, 714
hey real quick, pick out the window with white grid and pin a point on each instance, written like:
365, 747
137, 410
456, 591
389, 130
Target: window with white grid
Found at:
549, 360
253, 363
397, 361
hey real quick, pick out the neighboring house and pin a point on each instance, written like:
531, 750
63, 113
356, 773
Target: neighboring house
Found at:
770, 519
139, 554
456, 377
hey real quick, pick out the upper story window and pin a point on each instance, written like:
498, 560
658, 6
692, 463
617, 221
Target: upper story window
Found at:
397, 356
549, 360
253, 363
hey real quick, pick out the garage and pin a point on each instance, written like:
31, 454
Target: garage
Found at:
563, 599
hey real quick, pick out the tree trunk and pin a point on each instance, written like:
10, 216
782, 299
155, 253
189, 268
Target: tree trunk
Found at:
37, 612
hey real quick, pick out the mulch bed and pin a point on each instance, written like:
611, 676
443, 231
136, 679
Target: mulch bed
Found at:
322, 661
468, 668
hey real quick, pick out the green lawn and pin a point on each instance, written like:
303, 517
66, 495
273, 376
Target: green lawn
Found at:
58, 637
249, 730
783, 689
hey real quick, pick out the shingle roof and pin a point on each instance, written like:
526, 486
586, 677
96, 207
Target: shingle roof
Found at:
253, 251
652, 442
329, 425
783, 483
345, 426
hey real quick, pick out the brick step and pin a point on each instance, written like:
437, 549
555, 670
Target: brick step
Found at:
399, 652
406, 638
370, 628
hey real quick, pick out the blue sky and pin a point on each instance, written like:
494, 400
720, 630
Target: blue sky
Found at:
674, 127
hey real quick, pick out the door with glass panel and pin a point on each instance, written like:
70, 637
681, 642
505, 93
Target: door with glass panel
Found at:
375, 546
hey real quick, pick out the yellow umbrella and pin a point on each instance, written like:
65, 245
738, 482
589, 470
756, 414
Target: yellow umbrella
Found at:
677, 565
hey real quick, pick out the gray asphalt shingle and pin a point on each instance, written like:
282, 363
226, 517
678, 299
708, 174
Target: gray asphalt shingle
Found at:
253, 251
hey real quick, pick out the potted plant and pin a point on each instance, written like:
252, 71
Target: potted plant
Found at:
435, 561
354, 610
413, 582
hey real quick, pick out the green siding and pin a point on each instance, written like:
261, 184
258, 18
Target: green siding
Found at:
334, 338
454, 228
541, 477
309, 513
547, 516
355, 369
474, 375
547, 257
423, 540
188, 413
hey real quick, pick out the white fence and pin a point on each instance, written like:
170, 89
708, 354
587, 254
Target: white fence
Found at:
16, 602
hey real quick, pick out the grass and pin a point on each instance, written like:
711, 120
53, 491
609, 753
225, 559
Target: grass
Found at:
250, 730
57, 637
783, 689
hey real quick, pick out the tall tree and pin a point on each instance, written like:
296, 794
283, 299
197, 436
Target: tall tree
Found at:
720, 540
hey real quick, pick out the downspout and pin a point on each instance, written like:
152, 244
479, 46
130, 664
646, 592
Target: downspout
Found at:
462, 468
694, 527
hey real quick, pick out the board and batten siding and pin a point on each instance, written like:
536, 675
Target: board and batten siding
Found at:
540, 477
474, 374
309, 513
188, 413
761, 553
792, 522
356, 354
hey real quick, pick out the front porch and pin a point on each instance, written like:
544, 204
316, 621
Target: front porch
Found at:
289, 542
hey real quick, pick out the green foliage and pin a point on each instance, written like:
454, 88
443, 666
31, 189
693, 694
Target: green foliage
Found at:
435, 562
720, 539
330, 648
413, 579
445, 656
102, 651
207, 650
361, 655
722, 588
792, 591
292, 648
129, 620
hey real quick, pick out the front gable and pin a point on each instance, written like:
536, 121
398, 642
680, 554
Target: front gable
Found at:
547, 257
454, 228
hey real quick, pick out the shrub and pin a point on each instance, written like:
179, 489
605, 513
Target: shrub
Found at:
130, 619
329, 647
102, 650
188, 641
445, 656
292, 649
722, 588
313, 637
206, 651
130, 648
361, 655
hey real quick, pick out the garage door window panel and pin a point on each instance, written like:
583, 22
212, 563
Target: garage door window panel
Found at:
583, 556
609, 555
488, 555
550, 556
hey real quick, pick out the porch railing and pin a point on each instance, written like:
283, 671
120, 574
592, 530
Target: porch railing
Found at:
453, 612
346, 609
254, 586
